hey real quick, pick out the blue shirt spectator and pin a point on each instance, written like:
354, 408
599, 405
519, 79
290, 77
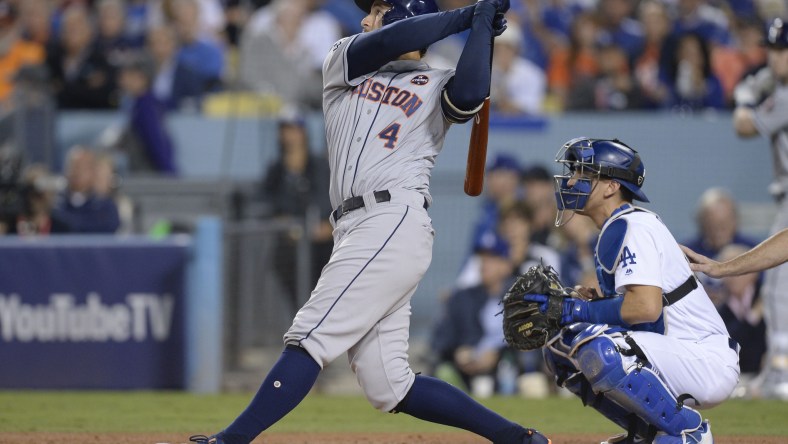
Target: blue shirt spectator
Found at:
175, 85
502, 190
79, 208
203, 56
153, 149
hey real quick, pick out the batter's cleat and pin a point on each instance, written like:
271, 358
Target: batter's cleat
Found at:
202, 439
534, 437
700, 436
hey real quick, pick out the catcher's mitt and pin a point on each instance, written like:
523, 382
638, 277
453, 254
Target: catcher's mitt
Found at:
525, 327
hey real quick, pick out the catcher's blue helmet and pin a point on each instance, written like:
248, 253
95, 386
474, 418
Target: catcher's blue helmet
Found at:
777, 35
600, 158
401, 9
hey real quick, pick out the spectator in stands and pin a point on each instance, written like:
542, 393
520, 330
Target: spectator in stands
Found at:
81, 77
613, 88
34, 21
38, 190
175, 84
558, 16
539, 194
502, 190
717, 218
294, 185
106, 186
15, 52
691, 82
200, 54
274, 59
210, 16
731, 63
468, 339
78, 206
136, 23
318, 32
741, 309
656, 27
699, 17
147, 142
518, 86
618, 28
111, 42
570, 66
576, 247
514, 227
236, 14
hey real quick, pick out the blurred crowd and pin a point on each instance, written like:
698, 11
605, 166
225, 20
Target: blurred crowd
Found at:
150, 58
556, 54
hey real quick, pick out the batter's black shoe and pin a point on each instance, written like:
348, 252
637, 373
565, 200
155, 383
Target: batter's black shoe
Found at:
534, 437
202, 439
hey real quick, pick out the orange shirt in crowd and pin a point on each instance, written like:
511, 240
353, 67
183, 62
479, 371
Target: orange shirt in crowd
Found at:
560, 74
21, 53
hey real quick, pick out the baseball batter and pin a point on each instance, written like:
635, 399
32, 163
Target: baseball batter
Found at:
652, 347
769, 118
386, 117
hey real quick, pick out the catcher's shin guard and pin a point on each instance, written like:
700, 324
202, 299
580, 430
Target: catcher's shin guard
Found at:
559, 356
637, 389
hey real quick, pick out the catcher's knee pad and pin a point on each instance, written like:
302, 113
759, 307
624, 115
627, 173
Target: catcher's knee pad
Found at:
384, 387
636, 389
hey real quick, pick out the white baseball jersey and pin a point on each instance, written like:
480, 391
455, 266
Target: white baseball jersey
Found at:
689, 344
367, 117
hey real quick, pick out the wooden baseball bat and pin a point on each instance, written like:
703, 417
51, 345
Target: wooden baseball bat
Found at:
477, 151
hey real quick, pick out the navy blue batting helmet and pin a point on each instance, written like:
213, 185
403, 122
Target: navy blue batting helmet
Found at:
777, 35
401, 9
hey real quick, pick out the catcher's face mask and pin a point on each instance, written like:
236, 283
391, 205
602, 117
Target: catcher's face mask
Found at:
577, 159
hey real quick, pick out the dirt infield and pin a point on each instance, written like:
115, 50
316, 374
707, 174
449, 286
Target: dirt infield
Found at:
336, 438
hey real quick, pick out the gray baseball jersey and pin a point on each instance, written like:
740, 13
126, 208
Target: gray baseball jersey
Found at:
771, 119
384, 131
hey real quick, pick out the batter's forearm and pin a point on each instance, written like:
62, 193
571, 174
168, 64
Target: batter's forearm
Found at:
371, 50
769, 253
471, 82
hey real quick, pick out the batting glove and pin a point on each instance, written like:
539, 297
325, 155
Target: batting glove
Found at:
499, 24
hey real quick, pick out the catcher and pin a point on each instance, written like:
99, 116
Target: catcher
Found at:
652, 349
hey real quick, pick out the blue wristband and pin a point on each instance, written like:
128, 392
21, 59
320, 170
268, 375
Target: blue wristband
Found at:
601, 311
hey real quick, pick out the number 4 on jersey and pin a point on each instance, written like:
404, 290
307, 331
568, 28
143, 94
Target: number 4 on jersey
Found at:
390, 135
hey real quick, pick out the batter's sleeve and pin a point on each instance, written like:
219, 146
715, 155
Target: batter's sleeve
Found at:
772, 115
640, 262
335, 71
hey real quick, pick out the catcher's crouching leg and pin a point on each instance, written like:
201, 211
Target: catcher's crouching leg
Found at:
560, 360
609, 365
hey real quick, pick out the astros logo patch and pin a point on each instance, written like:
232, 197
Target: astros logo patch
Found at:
420, 79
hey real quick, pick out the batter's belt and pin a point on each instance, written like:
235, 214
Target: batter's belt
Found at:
356, 202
